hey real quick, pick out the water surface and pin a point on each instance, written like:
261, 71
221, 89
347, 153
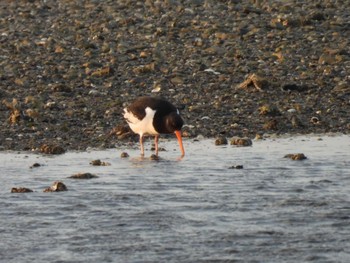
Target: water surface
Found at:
193, 210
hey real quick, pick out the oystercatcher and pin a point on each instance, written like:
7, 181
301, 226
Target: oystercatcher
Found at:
154, 116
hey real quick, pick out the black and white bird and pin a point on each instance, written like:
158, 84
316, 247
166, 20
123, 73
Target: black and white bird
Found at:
154, 116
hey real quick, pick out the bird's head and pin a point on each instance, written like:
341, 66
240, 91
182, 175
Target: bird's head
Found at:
174, 122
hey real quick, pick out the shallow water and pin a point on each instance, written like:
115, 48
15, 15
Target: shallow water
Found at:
193, 210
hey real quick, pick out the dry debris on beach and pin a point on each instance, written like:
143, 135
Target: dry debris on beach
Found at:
234, 68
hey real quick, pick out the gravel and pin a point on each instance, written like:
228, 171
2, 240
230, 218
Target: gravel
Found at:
234, 68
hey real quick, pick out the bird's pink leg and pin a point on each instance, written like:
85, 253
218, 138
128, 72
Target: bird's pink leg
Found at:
156, 139
141, 145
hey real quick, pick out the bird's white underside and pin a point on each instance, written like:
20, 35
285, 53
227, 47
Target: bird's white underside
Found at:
144, 126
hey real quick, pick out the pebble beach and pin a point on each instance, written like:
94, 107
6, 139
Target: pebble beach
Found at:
233, 68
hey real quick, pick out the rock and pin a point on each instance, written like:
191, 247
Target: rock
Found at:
154, 157
121, 131
56, 187
241, 141
21, 190
35, 165
315, 120
102, 72
98, 162
236, 167
296, 122
259, 136
296, 156
221, 140
294, 87
124, 155
83, 176
271, 125
61, 88
269, 110
52, 149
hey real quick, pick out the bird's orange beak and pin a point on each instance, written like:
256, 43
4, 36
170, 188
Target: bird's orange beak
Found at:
179, 138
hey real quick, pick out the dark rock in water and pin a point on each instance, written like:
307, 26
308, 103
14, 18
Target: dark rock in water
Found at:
98, 162
160, 149
296, 156
236, 167
21, 190
221, 140
83, 176
154, 157
56, 187
241, 141
52, 149
35, 165
124, 155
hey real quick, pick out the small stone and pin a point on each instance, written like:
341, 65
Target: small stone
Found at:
296, 122
143, 54
259, 136
269, 110
35, 165
314, 120
83, 176
56, 187
294, 87
177, 80
61, 88
236, 167
124, 155
21, 190
241, 141
271, 125
221, 140
154, 157
52, 149
296, 156
102, 72
98, 162
120, 130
